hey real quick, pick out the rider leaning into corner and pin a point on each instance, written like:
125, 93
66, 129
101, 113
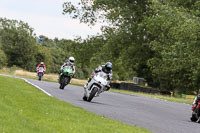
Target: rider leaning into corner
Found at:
195, 103
41, 65
107, 68
69, 62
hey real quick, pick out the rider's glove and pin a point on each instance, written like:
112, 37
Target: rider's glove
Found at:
107, 87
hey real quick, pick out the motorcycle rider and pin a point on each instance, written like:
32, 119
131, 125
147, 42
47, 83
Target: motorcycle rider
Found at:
107, 68
69, 62
195, 103
41, 65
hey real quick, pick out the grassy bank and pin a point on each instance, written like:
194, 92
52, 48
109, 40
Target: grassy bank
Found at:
24, 108
168, 98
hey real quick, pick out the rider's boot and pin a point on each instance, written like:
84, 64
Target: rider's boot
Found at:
97, 95
198, 120
58, 78
85, 86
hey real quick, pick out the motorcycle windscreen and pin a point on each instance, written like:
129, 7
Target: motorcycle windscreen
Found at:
102, 78
67, 69
103, 75
41, 69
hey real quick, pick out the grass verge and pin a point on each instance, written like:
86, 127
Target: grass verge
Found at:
168, 98
24, 108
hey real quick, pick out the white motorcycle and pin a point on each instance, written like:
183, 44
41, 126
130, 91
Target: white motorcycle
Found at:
40, 73
97, 85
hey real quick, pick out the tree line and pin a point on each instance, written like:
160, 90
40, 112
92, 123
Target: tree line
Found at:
158, 40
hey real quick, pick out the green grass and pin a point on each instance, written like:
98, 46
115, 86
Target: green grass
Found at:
25, 109
168, 98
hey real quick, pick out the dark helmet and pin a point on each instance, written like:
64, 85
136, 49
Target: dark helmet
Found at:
108, 67
198, 97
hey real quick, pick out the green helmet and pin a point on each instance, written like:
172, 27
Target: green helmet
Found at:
108, 66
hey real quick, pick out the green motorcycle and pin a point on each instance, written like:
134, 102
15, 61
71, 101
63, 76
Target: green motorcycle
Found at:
65, 76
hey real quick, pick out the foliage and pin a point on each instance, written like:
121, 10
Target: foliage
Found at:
153, 39
124, 43
3, 59
176, 45
44, 55
18, 43
157, 40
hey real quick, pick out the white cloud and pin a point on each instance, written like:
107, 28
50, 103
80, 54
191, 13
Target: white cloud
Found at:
52, 26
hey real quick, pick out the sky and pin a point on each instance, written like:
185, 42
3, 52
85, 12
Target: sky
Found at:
46, 18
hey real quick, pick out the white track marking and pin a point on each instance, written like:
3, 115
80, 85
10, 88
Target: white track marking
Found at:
36, 86
28, 83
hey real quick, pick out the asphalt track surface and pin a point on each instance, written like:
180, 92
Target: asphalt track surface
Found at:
156, 115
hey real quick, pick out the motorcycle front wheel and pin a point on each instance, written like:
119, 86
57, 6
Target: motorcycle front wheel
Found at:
39, 76
62, 82
84, 98
194, 117
92, 94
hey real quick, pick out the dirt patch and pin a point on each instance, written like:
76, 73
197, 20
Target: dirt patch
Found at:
51, 77
24, 73
78, 81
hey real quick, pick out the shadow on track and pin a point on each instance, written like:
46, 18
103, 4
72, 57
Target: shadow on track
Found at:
92, 102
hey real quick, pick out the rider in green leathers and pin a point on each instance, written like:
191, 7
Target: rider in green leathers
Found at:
69, 62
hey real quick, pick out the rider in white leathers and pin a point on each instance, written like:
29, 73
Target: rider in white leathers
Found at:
107, 68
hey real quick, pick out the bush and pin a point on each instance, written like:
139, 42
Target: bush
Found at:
3, 59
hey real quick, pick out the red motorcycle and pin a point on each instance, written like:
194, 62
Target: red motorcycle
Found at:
196, 112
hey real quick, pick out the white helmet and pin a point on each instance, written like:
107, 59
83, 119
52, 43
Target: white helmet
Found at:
71, 60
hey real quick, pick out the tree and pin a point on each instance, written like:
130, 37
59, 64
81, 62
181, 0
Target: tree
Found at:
158, 40
18, 42
44, 55
123, 35
176, 43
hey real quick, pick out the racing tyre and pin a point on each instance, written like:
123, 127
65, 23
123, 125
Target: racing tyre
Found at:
92, 94
84, 98
67, 80
39, 78
62, 83
193, 118
61, 86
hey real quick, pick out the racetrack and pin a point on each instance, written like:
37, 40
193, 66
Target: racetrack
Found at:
155, 115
